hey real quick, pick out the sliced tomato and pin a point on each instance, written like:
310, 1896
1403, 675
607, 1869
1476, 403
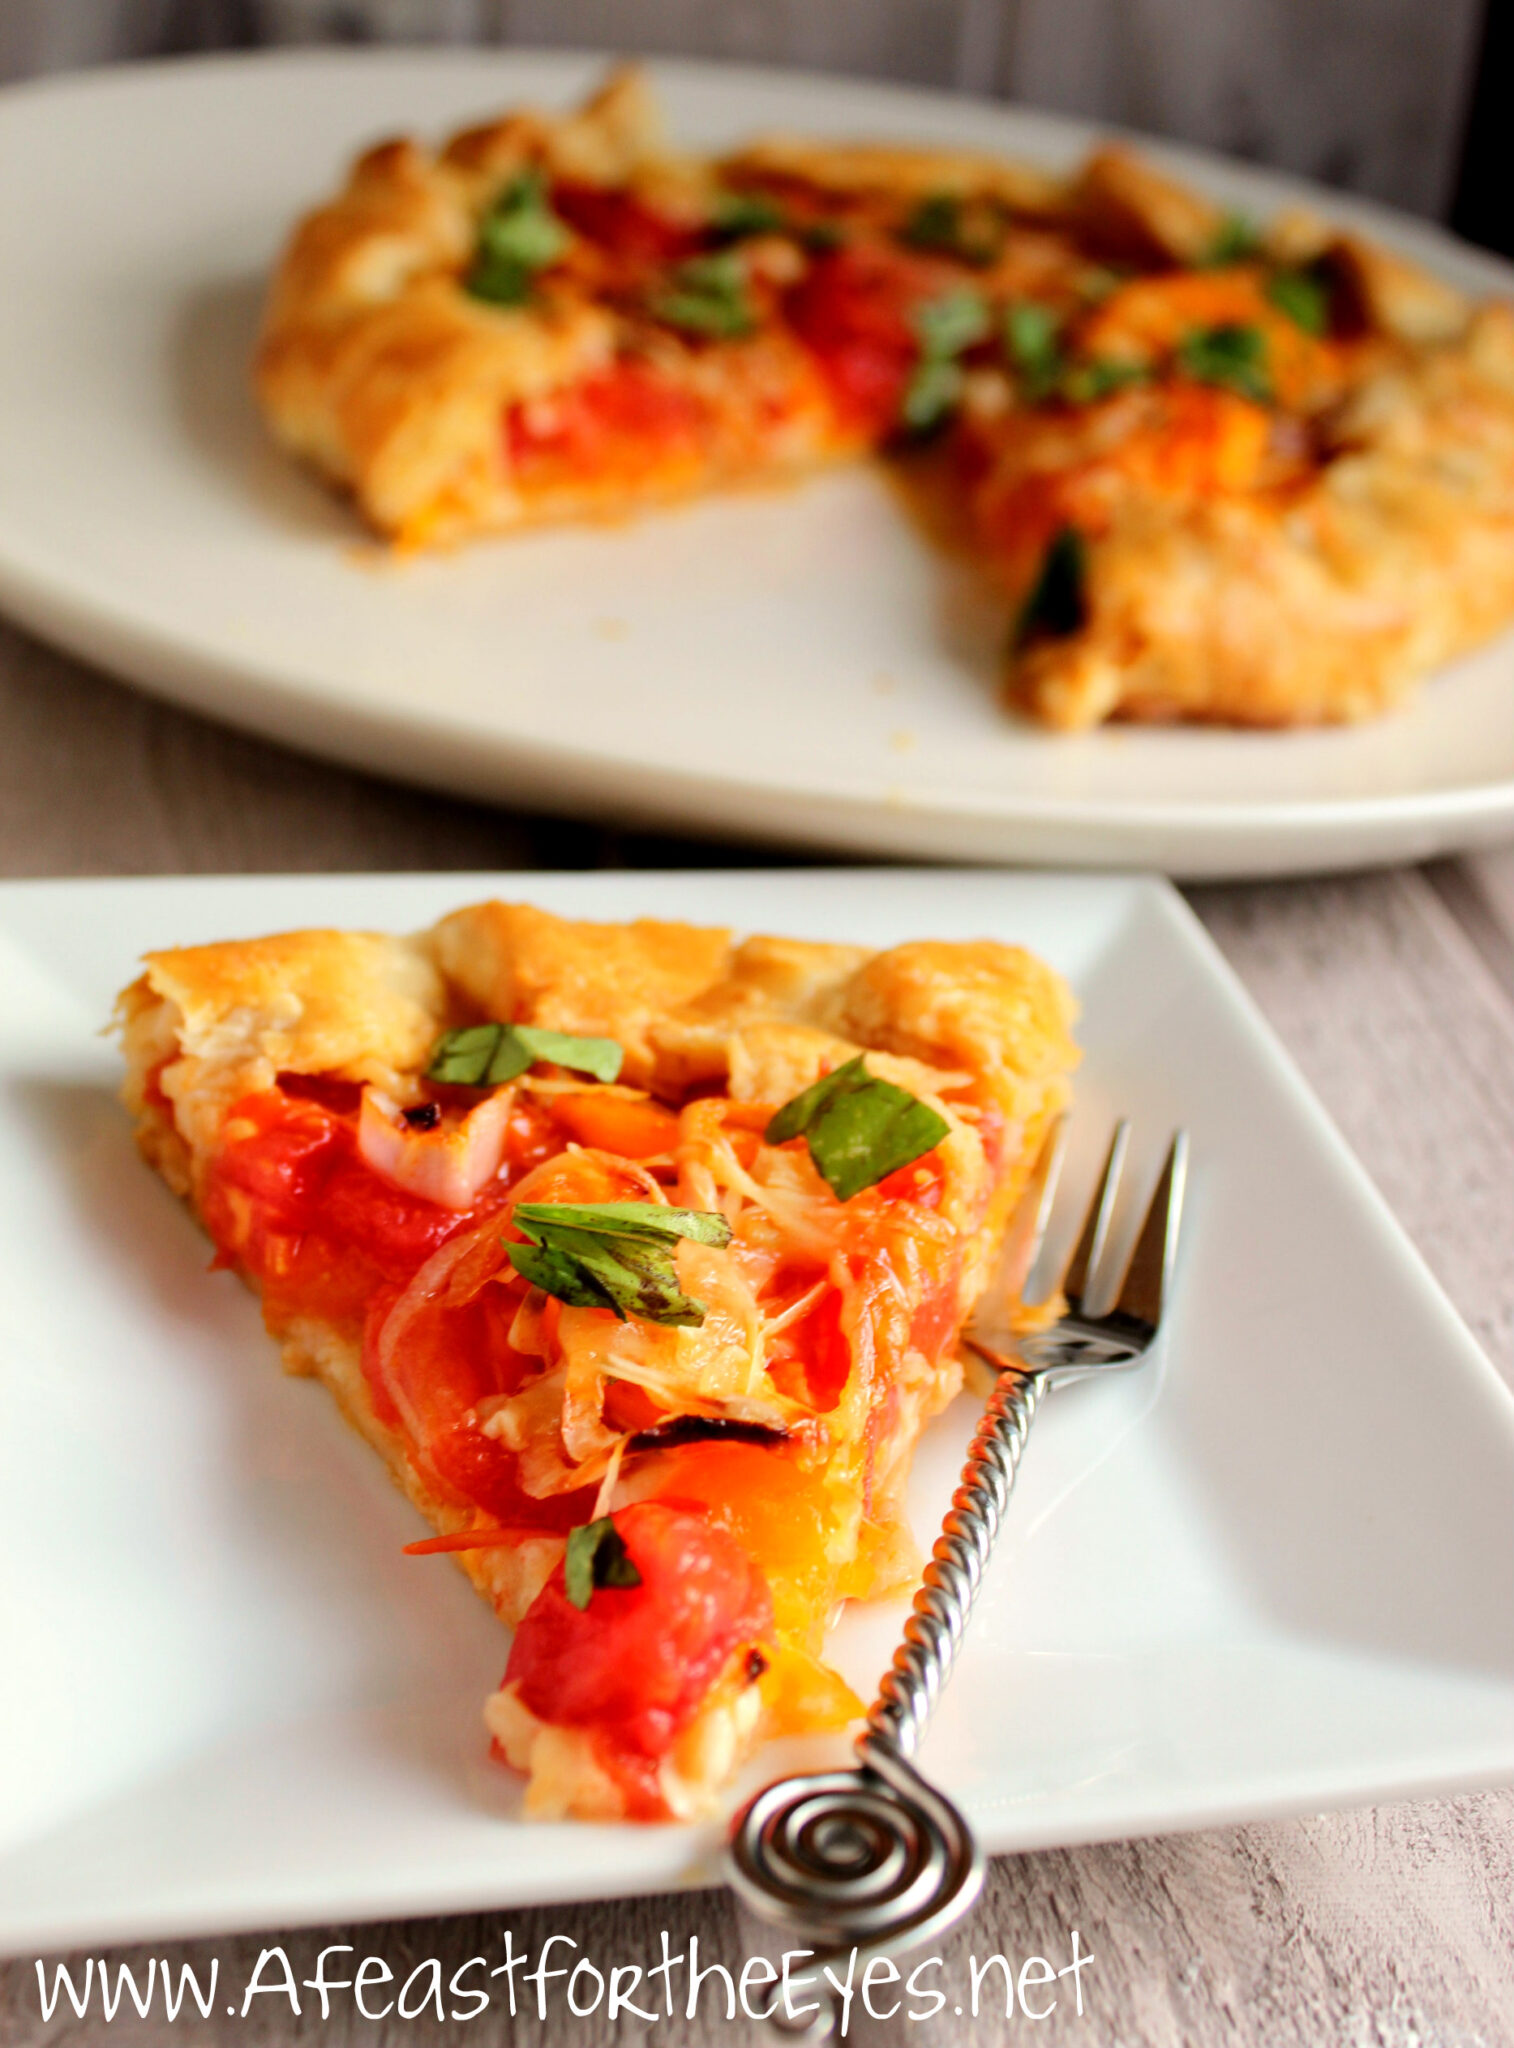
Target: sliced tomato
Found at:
446, 1361
485, 1473
342, 1098
395, 1230
623, 224
532, 1135
290, 1171
920, 1182
625, 422
305, 1275
853, 311
637, 1662
279, 1153
815, 1351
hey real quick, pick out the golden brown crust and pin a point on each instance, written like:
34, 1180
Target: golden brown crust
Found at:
1397, 557
208, 1024
892, 171
605, 980
375, 364
211, 1023
1132, 213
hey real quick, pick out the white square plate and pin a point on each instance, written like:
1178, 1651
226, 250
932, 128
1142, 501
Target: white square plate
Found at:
1269, 1573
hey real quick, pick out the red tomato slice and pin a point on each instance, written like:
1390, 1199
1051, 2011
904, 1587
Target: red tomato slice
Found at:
853, 310
623, 224
636, 1663
281, 1154
624, 422
818, 1345
920, 1182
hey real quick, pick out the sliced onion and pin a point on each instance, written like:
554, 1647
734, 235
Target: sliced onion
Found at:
448, 1165
450, 1278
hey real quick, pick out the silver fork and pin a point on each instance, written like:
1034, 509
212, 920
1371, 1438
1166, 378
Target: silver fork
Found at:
876, 1858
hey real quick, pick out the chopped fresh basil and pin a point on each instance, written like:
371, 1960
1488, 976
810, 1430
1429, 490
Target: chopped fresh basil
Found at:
946, 328
943, 222
1304, 297
1235, 240
488, 1055
859, 1128
614, 1255
950, 325
1033, 347
821, 236
596, 1556
518, 236
931, 396
655, 1221
708, 296
746, 213
1086, 383
1096, 283
1058, 600
1233, 356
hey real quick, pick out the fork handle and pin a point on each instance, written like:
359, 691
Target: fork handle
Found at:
933, 1634
876, 1856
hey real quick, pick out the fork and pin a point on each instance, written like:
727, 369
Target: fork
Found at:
876, 1859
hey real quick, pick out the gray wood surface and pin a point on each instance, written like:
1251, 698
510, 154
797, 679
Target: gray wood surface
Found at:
1367, 94
1385, 1929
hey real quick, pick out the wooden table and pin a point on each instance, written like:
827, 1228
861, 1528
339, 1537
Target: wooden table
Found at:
1395, 994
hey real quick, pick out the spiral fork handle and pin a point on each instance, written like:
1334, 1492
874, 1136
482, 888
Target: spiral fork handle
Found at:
876, 1858
870, 1858
933, 1634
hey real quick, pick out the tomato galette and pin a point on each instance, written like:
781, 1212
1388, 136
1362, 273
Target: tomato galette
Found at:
639, 1254
1260, 476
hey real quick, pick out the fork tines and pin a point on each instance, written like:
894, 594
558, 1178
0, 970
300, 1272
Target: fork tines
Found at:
1139, 1292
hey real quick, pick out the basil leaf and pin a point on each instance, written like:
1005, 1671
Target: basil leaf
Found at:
1033, 346
931, 396
557, 1273
463, 1056
1233, 356
1086, 383
708, 296
950, 325
859, 1128
626, 1219
499, 281
518, 236
1058, 600
946, 327
596, 1556
614, 1255
628, 1276
601, 1057
488, 1055
1097, 281
821, 236
1304, 298
746, 213
1236, 239
943, 222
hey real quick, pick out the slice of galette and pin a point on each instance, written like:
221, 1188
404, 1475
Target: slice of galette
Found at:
640, 1255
